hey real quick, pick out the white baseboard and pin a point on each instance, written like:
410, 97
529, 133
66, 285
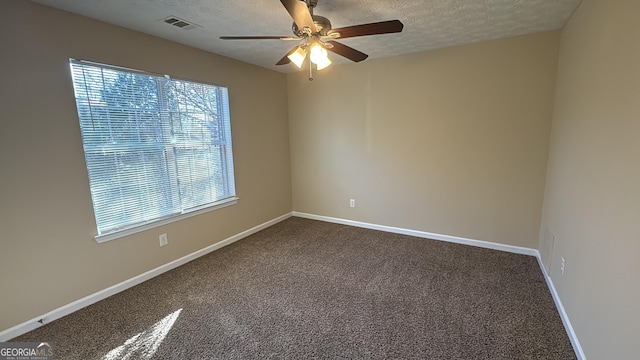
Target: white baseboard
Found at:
479, 243
103, 294
32, 324
423, 234
563, 314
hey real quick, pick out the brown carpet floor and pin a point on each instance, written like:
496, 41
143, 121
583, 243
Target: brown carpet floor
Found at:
309, 289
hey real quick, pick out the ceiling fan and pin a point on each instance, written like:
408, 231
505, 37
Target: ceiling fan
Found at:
316, 36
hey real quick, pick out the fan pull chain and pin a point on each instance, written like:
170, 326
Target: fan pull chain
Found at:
310, 70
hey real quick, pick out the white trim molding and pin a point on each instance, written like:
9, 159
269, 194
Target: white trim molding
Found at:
32, 324
164, 221
103, 294
577, 348
423, 234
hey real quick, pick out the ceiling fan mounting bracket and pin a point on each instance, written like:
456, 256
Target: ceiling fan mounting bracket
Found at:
311, 4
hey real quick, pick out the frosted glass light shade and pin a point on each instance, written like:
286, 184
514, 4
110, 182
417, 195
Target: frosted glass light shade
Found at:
319, 57
324, 63
297, 57
318, 54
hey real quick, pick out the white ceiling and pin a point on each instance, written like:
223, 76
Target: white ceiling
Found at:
428, 24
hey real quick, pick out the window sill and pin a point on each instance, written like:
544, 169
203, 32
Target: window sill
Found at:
136, 229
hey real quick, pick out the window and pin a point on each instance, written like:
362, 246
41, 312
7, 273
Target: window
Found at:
156, 148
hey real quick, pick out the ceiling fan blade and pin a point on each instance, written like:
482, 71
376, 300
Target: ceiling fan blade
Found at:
346, 51
285, 60
254, 37
300, 13
383, 27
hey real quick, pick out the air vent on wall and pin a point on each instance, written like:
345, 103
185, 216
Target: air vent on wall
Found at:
183, 24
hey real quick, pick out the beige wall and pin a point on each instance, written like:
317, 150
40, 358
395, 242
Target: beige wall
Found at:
452, 141
48, 257
592, 200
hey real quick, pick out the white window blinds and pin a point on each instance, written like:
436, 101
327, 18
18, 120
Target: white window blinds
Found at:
155, 147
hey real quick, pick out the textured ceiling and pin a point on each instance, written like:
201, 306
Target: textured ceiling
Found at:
428, 24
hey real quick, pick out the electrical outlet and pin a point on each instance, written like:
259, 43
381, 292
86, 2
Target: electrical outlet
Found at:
562, 266
352, 203
163, 239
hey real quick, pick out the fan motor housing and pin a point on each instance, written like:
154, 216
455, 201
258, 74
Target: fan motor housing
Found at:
323, 25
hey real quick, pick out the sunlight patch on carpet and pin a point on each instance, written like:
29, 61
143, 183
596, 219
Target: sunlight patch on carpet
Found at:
145, 344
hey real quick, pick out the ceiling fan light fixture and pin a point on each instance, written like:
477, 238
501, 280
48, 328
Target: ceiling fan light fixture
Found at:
324, 63
297, 57
316, 34
318, 54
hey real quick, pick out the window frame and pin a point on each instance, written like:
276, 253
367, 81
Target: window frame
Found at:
164, 221
134, 228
